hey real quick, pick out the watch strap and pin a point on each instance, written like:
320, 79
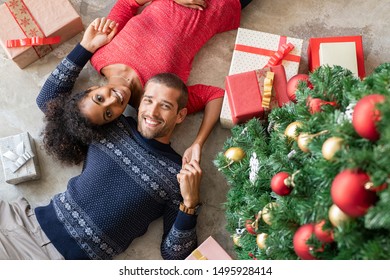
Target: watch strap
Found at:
187, 210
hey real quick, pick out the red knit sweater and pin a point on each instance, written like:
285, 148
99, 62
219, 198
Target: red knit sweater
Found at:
165, 37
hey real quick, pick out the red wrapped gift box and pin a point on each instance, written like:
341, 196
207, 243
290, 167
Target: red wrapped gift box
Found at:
209, 250
245, 93
313, 51
21, 19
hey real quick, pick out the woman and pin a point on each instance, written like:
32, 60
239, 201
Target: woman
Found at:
165, 37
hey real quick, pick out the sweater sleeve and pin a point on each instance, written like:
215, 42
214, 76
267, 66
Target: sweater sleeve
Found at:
200, 95
123, 11
63, 78
179, 239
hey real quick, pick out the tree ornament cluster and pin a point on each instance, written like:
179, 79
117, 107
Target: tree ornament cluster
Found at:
321, 177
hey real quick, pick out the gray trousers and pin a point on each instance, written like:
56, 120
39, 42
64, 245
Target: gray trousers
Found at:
21, 237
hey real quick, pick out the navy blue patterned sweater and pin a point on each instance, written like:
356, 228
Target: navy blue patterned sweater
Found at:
127, 182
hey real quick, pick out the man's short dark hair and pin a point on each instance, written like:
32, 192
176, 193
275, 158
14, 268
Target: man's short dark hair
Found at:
172, 81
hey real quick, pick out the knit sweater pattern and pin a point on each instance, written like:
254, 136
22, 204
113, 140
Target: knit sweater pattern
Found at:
126, 182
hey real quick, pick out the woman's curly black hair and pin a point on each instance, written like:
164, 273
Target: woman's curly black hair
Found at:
68, 133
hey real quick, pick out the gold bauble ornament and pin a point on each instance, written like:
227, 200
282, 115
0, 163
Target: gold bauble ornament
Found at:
336, 216
260, 240
331, 146
291, 130
265, 213
303, 141
236, 239
235, 154
305, 138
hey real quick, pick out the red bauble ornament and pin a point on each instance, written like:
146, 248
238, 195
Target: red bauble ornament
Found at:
315, 104
299, 241
325, 236
249, 227
280, 183
365, 116
350, 195
292, 85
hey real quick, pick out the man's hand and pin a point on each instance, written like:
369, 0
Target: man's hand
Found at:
189, 180
193, 4
99, 33
192, 153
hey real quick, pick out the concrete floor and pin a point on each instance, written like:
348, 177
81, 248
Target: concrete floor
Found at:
299, 19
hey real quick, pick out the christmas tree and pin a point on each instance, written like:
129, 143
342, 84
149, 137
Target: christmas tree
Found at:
311, 182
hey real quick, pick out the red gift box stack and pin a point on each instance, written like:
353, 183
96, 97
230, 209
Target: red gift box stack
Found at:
253, 51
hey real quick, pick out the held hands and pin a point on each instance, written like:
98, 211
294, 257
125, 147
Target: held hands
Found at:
192, 153
99, 33
193, 4
189, 180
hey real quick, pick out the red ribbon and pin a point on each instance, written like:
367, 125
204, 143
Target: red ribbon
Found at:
33, 41
276, 56
28, 25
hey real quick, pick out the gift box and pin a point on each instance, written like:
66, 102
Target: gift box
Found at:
253, 50
33, 26
346, 51
247, 92
209, 250
19, 158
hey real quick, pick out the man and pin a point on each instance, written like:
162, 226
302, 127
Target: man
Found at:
129, 178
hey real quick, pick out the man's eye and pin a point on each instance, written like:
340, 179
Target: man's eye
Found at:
99, 98
166, 107
108, 114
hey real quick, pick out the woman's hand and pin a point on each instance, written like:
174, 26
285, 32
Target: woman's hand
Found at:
192, 153
193, 4
99, 33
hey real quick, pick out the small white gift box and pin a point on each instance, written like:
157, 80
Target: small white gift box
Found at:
19, 158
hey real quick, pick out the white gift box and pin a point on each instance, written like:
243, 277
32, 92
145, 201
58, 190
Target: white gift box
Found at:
252, 51
19, 158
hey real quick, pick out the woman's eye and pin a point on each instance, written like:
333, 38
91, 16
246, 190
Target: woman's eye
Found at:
99, 98
108, 114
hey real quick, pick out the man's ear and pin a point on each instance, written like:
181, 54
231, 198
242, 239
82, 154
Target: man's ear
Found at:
181, 115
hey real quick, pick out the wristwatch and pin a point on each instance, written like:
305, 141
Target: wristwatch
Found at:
190, 211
